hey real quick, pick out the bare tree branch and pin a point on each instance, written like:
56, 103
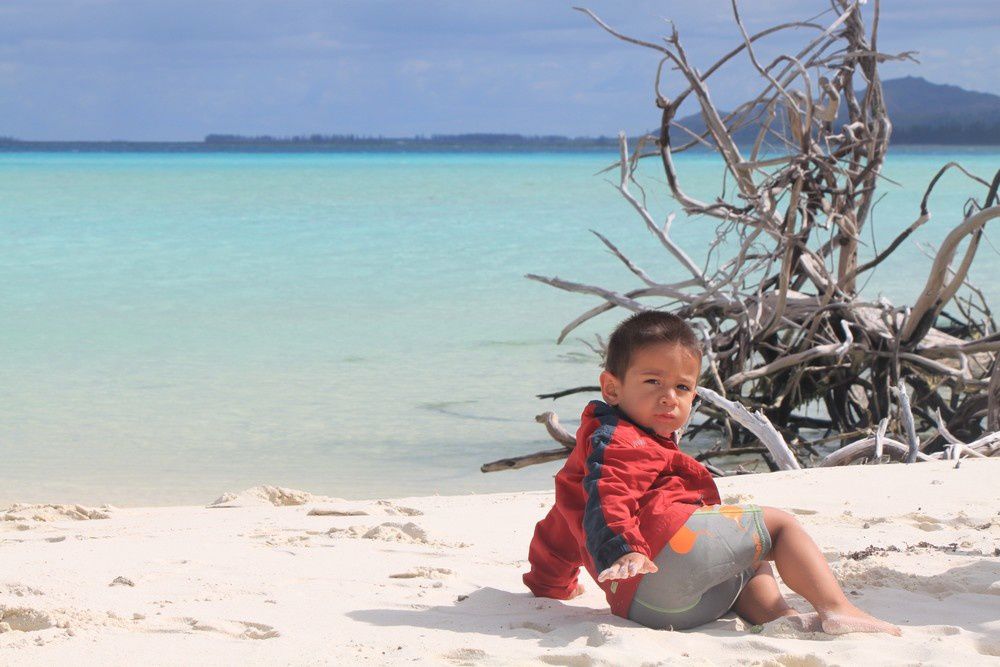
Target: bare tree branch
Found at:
775, 295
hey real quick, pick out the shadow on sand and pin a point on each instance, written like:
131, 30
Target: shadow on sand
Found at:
504, 614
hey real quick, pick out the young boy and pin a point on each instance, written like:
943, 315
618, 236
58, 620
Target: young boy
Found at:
646, 520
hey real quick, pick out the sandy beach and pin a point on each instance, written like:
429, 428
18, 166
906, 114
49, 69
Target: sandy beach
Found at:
277, 576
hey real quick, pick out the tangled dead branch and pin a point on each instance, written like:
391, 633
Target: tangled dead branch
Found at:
784, 324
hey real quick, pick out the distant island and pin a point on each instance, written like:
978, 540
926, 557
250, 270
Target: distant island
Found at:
922, 113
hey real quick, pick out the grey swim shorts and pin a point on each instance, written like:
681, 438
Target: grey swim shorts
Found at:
703, 568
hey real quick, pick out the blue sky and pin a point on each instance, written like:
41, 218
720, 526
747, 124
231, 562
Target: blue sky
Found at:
180, 69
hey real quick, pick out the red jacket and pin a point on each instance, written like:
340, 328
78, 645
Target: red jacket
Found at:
623, 489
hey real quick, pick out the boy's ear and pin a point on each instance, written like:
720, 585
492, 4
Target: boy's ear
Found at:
610, 388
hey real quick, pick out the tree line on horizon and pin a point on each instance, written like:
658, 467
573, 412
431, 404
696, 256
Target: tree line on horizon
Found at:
500, 139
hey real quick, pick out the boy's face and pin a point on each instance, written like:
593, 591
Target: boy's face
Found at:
658, 388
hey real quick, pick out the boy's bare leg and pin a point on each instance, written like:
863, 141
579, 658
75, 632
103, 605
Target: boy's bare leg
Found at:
760, 601
803, 567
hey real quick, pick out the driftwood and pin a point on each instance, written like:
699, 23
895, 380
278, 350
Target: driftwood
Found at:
787, 332
757, 424
869, 449
523, 461
555, 429
993, 411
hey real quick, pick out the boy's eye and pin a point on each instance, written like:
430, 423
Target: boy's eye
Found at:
684, 387
652, 381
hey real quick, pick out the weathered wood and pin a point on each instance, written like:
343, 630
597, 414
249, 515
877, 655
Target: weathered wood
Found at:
988, 444
523, 461
555, 429
868, 448
567, 392
943, 429
837, 350
993, 411
735, 451
880, 437
906, 416
757, 424
784, 326
940, 286
956, 450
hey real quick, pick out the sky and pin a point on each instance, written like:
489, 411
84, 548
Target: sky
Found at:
180, 69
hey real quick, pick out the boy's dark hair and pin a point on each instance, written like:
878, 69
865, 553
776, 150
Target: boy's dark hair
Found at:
646, 328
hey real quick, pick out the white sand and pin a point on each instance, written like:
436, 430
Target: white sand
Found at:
284, 577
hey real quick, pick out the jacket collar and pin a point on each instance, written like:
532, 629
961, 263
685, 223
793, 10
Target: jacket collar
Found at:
600, 408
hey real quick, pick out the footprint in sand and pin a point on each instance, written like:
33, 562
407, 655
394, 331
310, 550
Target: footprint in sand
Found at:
18, 590
860, 574
537, 627
26, 512
25, 619
797, 660
942, 630
380, 508
12, 525
333, 511
390, 531
963, 520
925, 521
465, 656
237, 629
393, 509
276, 496
423, 572
990, 647
600, 634
794, 627
573, 660
297, 539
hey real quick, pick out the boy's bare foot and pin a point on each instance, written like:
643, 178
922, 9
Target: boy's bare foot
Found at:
809, 622
852, 619
577, 592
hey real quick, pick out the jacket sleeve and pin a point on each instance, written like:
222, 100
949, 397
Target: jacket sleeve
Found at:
554, 557
613, 485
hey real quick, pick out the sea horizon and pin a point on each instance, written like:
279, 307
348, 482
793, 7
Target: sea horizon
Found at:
280, 148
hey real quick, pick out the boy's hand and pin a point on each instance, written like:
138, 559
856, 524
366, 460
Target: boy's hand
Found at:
629, 565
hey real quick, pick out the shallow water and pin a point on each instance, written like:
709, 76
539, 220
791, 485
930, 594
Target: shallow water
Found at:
175, 326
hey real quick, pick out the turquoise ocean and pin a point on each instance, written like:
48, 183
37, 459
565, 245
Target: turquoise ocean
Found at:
355, 325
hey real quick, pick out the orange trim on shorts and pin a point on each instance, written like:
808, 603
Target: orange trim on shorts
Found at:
684, 539
734, 512
758, 547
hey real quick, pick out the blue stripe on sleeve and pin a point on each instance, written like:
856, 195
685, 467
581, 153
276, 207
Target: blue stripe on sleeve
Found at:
604, 545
